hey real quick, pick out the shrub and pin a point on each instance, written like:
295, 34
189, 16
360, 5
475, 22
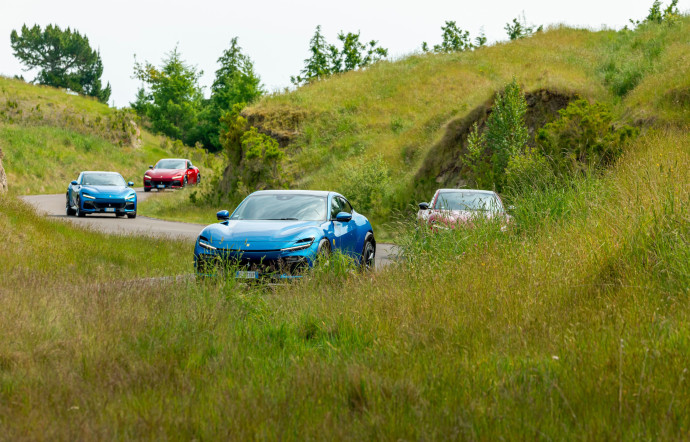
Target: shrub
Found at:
529, 171
368, 186
583, 138
505, 136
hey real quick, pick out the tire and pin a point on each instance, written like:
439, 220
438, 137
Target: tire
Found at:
184, 183
147, 189
368, 256
323, 251
68, 210
198, 179
132, 215
80, 214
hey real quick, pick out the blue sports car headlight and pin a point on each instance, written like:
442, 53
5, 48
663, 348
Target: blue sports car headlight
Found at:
131, 197
86, 195
302, 244
206, 244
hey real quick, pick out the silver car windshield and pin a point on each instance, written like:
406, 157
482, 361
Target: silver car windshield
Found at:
102, 179
171, 164
468, 201
282, 207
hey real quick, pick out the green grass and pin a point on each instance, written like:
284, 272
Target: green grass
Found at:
573, 324
177, 206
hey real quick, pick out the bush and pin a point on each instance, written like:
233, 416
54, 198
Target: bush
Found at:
528, 172
583, 138
368, 186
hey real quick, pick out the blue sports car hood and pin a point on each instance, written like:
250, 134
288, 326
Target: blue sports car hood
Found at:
253, 235
107, 191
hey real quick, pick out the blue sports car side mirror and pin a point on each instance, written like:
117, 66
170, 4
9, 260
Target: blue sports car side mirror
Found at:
74, 183
223, 215
130, 184
343, 217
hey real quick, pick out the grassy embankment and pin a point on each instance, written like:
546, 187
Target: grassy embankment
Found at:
401, 110
49, 136
573, 324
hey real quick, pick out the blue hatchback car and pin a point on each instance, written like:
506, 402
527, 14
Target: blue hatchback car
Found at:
279, 233
101, 192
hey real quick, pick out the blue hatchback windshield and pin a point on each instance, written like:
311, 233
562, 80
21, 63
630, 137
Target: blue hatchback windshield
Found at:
282, 207
102, 179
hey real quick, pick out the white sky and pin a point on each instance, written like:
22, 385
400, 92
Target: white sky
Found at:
275, 34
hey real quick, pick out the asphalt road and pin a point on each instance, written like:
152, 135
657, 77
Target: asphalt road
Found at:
53, 206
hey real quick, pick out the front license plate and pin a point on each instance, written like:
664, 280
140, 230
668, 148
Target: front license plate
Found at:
109, 209
161, 186
246, 275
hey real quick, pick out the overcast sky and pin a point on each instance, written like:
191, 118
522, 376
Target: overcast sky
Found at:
275, 34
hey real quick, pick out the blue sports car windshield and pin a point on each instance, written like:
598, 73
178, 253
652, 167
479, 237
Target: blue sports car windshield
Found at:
282, 207
102, 179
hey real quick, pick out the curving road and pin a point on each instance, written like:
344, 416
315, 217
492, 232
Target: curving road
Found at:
53, 206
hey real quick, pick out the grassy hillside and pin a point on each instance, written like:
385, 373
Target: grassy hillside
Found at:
402, 110
573, 324
415, 112
49, 136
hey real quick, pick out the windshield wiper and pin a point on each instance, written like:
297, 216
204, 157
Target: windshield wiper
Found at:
283, 219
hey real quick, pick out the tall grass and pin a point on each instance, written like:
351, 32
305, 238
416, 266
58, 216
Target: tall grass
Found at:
571, 326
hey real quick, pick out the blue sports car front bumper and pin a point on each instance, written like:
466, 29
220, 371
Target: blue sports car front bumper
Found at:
108, 205
246, 264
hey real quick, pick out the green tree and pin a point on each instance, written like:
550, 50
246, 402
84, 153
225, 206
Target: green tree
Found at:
488, 153
64, 59
236, 82
506, 130
327, 59
520, 29
319, 63
173, 99
454, 39
656, 15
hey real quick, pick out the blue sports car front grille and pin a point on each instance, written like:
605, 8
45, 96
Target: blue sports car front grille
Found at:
211, 264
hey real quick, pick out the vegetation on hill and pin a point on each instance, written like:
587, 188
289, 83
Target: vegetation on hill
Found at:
64, 59
572, 324
49, 136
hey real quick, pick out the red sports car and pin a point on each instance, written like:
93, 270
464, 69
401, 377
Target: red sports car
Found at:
171, 173
451, 208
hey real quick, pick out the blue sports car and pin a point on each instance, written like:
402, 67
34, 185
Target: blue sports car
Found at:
101, 192
280, 233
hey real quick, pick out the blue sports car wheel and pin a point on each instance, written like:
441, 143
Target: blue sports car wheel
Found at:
368, 256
